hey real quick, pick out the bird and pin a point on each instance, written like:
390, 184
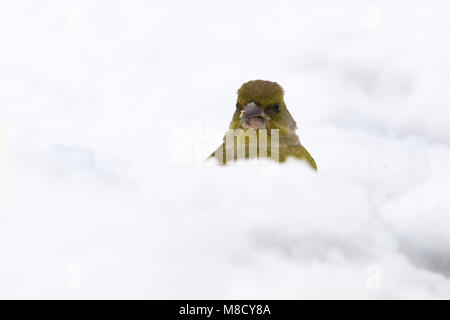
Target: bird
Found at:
261, 127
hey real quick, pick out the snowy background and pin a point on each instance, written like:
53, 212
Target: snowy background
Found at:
108, 109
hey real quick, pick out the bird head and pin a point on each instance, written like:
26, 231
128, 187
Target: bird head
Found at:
260, 105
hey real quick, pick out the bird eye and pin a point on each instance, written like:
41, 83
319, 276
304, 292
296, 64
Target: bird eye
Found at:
277, 108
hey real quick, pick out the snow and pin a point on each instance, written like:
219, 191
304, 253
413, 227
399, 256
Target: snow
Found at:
108, 109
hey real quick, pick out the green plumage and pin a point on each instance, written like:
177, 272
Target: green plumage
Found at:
269, 97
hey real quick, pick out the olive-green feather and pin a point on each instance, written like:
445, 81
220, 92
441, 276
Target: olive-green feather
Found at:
262, 92
298, 152
266, 94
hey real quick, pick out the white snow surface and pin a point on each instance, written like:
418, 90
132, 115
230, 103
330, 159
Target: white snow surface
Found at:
108, 109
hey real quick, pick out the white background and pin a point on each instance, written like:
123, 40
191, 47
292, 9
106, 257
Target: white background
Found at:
108, 109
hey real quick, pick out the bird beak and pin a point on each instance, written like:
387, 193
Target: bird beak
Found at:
253, 116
